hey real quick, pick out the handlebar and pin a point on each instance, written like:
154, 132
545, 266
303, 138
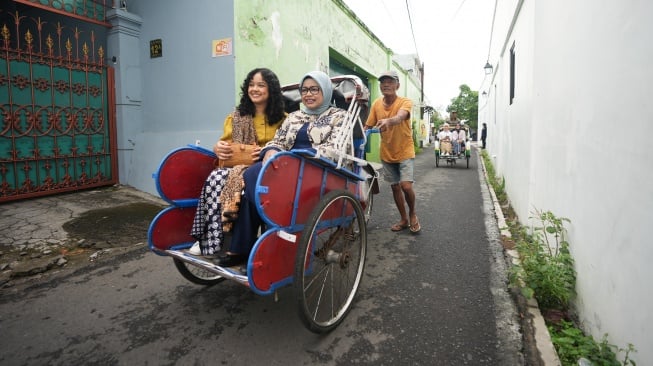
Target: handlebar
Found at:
370, 131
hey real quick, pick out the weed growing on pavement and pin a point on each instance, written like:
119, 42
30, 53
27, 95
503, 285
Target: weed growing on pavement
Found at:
546, 267
499, 186
546, 272
572, 345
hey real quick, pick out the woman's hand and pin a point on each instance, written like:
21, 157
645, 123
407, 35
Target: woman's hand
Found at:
256, 152
223, 150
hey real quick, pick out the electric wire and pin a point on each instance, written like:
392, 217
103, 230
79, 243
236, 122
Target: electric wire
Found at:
489, 46
387, 11
458, 10
410, 21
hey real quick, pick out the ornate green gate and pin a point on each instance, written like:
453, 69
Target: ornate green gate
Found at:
57, 132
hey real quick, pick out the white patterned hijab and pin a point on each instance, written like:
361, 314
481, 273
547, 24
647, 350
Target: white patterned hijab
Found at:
323, 80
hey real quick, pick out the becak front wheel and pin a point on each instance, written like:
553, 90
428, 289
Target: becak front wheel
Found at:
330, 261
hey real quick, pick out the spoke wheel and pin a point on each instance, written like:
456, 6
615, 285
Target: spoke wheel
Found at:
196, 274
330, 261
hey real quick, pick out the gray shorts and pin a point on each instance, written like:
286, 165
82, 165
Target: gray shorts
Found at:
398, 172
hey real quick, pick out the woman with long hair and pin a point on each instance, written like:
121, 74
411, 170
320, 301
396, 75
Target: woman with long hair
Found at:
254, 121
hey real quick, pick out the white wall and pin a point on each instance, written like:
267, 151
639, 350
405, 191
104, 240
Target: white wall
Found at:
511, 124
574, 142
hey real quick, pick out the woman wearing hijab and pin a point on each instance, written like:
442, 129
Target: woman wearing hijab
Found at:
311, 127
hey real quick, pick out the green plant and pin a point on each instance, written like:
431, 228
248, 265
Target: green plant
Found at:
572, 345
627, 351
546, 268
500, 191
499, 187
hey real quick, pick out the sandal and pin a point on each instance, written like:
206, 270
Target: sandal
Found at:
415, 227
399, 227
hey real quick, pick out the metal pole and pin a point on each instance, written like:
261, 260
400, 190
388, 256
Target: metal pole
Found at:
421, 82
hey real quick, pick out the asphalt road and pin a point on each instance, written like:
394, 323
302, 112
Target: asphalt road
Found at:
436, 298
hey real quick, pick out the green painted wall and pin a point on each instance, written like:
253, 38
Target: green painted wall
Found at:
292, 37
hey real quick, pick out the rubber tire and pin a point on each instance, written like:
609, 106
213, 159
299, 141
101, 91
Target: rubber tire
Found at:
193, 274
318, 309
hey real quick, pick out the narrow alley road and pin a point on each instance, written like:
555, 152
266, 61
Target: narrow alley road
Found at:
436, 298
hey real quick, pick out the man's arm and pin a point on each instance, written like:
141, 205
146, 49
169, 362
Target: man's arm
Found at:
383, 124
402, 115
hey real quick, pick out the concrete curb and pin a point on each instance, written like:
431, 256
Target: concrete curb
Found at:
542, 337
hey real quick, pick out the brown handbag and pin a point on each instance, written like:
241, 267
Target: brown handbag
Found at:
242, 155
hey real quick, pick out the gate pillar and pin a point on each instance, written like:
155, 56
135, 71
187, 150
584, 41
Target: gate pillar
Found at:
123, 49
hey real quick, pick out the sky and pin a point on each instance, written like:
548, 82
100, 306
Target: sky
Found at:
451, 39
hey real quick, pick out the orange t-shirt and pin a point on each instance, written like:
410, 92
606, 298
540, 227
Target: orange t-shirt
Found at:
397, 141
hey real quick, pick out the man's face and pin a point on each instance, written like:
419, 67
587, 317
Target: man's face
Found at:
389, 86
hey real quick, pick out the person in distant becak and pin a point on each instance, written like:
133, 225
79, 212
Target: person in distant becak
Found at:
458, 137
255, 120
445, 136
391, 115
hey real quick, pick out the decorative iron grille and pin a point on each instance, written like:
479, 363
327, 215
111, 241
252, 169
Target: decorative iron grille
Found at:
56, 127
89, 10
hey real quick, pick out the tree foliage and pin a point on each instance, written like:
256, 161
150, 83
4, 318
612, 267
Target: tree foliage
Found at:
436, 118
466, 104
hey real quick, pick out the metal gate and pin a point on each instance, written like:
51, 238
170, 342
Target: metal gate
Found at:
57, 100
